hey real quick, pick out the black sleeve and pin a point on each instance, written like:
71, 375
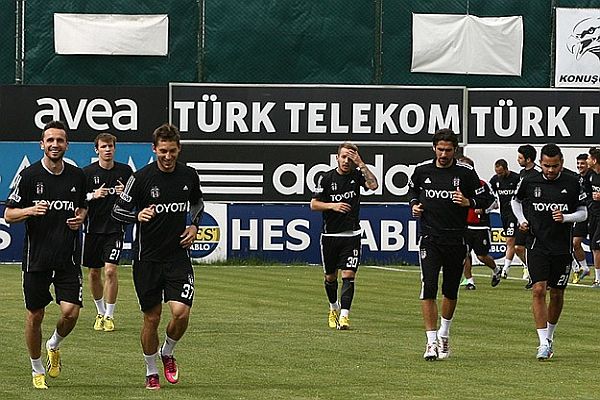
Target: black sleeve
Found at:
482, 196
125, 208
414, 191
521, 190
196, 201
319, 192
19, 195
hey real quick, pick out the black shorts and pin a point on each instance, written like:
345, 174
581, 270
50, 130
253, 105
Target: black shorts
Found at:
580, 229
434, 257
340, 252
163, 281
68, 287
594, 232
510, 226
553, 268
478, 240
99, 249
520, 237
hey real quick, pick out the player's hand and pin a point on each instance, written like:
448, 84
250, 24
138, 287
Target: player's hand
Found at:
101, 192
147, 213
76, 222
119, 187
188, 236
356, 159
524, 227
557, 216
341, 207
417, 210
460, 199
39, 209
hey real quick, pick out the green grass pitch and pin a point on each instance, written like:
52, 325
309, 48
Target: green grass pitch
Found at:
261, 333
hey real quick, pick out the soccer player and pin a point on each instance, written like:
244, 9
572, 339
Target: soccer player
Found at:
504, 184
580, 230
442, 191
337, 195
526, 159
49, 196
159, 199
477, 238
594, 209
554, 201
103, 235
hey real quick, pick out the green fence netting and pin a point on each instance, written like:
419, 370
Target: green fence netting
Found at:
7, 41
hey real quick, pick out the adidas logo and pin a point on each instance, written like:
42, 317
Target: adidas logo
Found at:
427, 180
564, 191
185, 187
73, 189
352, 181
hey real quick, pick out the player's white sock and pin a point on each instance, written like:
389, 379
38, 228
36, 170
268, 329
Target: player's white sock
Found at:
168, 346
100, 306
444, 327
507, 263
334, 306
575, 265
110, 310
344, 312
54, 341
550, 329
471, 280
543, 336
150, 360
597, 270
583, 264
431, 337
36, 366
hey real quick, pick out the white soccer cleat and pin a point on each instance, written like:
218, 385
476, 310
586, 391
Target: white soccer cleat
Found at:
443, 347
431, 352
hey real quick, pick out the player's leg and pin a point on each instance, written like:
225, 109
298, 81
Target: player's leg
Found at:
93, 261
482, 251
430, 261
579, 264
148, 282
68, 285
350, 259
559, 276
329, 258
469, 281
509, 225
539, 270
112, 248
451, 273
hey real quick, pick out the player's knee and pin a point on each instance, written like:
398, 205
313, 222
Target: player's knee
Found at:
110, 273
330, 278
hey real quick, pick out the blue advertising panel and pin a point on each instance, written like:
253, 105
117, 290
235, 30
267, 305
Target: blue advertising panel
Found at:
19, 155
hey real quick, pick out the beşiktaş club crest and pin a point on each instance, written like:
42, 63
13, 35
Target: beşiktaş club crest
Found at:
585, 38
96, 180
456, 181
537, 192
333, 186
39, 188
155, 192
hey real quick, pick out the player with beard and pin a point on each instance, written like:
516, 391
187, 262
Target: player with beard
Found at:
546, 205
160, 199
441, 191
337, 196
49, 196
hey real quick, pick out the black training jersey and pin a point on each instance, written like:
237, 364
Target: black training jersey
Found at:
434, 187
540, 197
99, 219
171, 193
49, 242
531, 171
594, 184
333, 187
586, 184
505, 188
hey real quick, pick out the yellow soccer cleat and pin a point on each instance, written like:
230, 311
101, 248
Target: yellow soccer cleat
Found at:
39, 381
576, 277
332, 318
53, 364
344, 324
109, 324
99, 323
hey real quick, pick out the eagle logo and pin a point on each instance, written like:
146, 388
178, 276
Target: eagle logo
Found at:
585, 38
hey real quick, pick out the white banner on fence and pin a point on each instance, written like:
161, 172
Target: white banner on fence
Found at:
577, 47
466, 44
111, 34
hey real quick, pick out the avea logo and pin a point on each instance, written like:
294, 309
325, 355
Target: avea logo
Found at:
171, 207
99, 114
438, 194
207, 238
550, 207
57, 205
343, 196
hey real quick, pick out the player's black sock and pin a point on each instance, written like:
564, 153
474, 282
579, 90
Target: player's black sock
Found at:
331, 289
347, 292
